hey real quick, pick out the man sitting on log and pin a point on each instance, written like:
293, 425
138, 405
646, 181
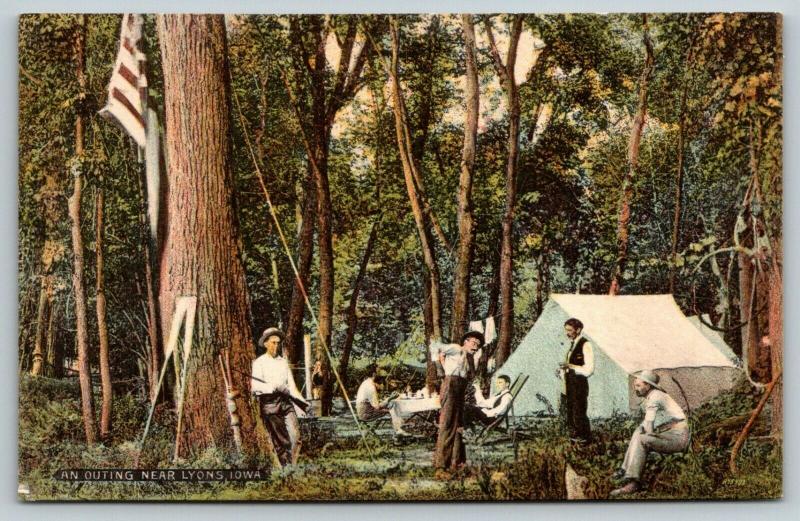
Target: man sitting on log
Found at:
663, 430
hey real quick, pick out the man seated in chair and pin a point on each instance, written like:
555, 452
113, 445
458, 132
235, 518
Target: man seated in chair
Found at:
368, 406
663, 430
487, 410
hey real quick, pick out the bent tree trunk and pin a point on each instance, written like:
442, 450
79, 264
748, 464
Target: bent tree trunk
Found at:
432, 305
352, 317
201, 255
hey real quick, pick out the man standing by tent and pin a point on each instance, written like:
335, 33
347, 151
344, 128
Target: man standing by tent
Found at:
575, 372
273, 384
663, 430
450, 454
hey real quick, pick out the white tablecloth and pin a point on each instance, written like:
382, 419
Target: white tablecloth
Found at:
407, 407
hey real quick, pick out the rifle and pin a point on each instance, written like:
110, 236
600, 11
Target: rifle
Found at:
304, 405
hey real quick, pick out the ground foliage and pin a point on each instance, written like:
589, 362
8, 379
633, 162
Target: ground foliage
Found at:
343, 468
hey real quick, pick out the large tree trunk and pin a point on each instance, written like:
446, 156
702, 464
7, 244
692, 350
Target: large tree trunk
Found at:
624, 218
776, 274
74, 206
102, 328
505, 72
305, 254
775, 312
466, 225
352, 316
201, 255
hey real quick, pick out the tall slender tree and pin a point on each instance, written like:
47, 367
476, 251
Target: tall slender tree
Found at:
505, 72
82, 328
466, 224
623, 221
318, 95
432, 307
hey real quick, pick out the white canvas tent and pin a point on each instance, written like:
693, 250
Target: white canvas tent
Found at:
629, 333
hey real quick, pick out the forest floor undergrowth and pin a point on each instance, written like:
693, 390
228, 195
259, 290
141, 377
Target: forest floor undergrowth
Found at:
530, 467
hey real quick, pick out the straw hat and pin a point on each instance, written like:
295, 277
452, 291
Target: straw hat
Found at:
649, 377
270, 331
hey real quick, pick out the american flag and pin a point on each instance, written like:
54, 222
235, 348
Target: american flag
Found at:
127, 89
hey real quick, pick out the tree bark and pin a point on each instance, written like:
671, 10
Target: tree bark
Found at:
324, 244
201, 250
749, 333
624, 218
352, 316
776, 338
305, 254
466, 225
102, 328
74, 206
505, 72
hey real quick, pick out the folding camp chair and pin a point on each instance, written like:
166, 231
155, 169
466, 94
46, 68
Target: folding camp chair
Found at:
516, 387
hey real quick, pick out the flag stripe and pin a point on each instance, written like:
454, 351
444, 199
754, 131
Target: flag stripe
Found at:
127, 89
128, 75
119, 96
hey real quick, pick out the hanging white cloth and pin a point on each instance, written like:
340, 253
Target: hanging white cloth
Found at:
476, 325
490, 333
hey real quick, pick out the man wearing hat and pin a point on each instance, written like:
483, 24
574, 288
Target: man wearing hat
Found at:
450, 453
273, 385
663, 430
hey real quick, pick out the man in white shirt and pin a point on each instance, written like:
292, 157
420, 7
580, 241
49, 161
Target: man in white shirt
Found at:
486, 410
370, 408
273, 385
663, 430
575, 371
450, 453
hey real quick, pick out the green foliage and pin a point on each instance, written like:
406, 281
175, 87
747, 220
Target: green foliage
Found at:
577, 103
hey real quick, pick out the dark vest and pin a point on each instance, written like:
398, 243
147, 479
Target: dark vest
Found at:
498, 398
576, 355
